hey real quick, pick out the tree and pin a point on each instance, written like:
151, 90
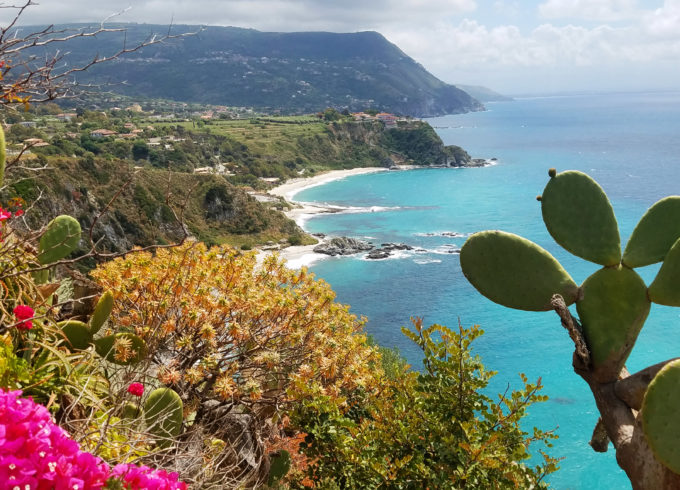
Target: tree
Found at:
27, 75
638, 412
239, 343
430, 429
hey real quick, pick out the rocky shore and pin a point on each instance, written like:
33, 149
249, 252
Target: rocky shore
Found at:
298, 256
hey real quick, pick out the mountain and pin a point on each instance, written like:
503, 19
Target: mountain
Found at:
298, 72
484, 94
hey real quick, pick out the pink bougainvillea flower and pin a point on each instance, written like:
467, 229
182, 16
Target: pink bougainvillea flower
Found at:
4, 215
136, 389
35, 453
23, 313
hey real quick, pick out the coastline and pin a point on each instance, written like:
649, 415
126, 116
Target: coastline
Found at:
297, 256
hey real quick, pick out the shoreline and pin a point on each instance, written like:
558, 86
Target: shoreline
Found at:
297, 256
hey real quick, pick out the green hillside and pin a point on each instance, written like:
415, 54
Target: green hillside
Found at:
298, 72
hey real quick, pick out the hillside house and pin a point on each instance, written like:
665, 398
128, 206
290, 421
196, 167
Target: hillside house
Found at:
362, 116
66, 117
102, 133
390, 120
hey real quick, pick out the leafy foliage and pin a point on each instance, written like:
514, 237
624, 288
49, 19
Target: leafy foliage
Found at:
430, 429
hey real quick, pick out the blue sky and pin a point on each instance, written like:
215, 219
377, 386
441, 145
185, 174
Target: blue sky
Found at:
515, 47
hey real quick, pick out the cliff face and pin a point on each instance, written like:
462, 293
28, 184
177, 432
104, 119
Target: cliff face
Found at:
420, 143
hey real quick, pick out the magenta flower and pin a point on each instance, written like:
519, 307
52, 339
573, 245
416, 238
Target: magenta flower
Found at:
4, 214
35, 453
23, 313
136, 389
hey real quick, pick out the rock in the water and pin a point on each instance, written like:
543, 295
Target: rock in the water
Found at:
395, 246
343, 246
378, 254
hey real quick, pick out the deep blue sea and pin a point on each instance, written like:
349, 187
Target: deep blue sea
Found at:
630, 143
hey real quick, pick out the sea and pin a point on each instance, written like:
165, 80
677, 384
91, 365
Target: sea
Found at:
629, 143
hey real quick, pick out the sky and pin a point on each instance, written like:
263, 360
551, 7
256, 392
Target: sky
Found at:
511, 46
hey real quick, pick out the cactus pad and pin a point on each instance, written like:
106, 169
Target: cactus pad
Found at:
163, 412
515, 272
131, 411
106, 347
613, 309
655, 234
279, 467
77, 334
101, 312
660, 415
60, 239
3, 157
665, 290
579, 217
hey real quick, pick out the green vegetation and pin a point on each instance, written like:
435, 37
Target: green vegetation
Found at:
431, 429
191, 169
299, 73
612, 304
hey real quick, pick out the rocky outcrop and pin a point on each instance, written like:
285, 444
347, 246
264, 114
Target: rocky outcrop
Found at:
343, 246
386, 250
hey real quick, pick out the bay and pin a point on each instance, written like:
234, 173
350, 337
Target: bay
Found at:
628, 142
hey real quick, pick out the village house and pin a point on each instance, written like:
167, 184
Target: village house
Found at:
390, 120
66, 117
102, 133
362, 116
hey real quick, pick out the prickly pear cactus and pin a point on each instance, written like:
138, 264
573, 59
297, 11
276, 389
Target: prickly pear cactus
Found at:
580, 218
77, 334
60, 239
163, 412
101, 312
665, 290
613, 303
121, 348
3, 156
280, 466
132, 411
527, 282
660, 415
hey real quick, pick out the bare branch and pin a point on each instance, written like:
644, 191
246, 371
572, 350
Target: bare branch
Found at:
26, 77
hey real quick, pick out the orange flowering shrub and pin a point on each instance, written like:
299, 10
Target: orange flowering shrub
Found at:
217, 326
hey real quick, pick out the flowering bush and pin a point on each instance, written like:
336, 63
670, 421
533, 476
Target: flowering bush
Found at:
37, 454
229, 330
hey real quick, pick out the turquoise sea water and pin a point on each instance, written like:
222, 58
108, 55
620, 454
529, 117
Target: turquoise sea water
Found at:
629, 143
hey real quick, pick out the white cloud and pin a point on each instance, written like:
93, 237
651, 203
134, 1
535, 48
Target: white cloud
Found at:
274, 15
589, 10
503, 44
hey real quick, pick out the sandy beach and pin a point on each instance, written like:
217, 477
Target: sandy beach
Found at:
298, 256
